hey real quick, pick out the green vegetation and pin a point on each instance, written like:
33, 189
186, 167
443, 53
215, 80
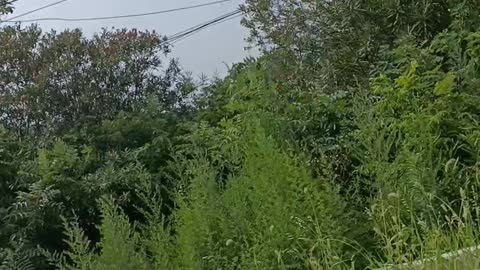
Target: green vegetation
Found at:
352, 143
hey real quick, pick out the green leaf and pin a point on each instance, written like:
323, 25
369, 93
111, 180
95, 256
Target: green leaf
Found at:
445, 86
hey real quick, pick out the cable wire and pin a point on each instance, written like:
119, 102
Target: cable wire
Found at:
175, 38
178, 40
187, 36
192, 30
119, 16
35, 10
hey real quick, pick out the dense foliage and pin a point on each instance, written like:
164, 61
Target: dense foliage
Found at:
353, 142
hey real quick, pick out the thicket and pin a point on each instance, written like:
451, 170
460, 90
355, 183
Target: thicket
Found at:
353, 142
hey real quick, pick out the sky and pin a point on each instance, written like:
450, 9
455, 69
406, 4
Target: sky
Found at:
208, 52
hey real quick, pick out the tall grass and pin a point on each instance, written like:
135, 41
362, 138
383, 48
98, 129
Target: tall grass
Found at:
272, 214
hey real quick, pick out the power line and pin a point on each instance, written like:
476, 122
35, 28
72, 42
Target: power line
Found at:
190, 33
199, 27
35, 10
179, 39
201, 24
120, 16
185, 34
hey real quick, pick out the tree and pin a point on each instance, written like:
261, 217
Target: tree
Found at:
51, 82
352, 143
6, 6
88, 115
338, 42
9, 167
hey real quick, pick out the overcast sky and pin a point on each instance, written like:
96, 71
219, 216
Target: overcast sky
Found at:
205, 52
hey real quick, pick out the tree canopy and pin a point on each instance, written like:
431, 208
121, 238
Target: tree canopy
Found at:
353, 142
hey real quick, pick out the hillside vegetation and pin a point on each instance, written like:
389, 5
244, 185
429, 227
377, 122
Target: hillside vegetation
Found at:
353, 142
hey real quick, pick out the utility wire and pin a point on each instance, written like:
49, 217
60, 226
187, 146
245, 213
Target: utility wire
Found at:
180, 36
177, 40
193, 30
186, 36
119, 16
173, 39
202, 25
35, 10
